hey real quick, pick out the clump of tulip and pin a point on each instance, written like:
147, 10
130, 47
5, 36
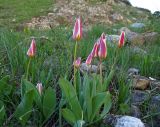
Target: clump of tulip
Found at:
99, 50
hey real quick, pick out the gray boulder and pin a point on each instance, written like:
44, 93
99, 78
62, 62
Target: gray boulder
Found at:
132, 37
137, 25
123, 121
128, 121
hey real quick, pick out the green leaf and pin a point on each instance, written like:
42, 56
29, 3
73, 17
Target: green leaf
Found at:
5, 88
24, 109
2, 112
78, 83
71, 97
87, 93
49, 102
107, 104
123, 93
68, 115
97, 103
108, 79
27, 86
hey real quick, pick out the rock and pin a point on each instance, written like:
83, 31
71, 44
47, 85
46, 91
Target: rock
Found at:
123, 121
140, 82
155, 103
128, 121
89, 68
151, 37
155, 85
137, 25
137, 50
117, 17
113, 38
133, 71
138, 97
132, 37
135, 111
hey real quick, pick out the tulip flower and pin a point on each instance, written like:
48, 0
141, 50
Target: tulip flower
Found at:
89, 59
32, 49
102, 53
121, 39
77, 63
39, 88
95, 50
77, 31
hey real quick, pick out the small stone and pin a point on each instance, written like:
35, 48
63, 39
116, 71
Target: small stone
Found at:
113, 38
155, 85
137, 25
135, 111
138, 97
89, 68
138, 50
140, 82
128, 121
133, 71
50, 14
117, 17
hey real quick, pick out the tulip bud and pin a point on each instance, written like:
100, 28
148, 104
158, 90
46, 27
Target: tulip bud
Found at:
77, 63
77, 31
95, 50
102, 53
39, 88
89, 59
32, 49
121, 39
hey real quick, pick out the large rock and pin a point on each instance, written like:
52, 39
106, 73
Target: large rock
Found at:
132, 37
123, 121
151, 37
138, 97
137, 50
135, 111
140, 82
155, 103
137, 25
128, 121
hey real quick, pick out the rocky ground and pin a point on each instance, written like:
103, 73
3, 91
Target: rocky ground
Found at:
65, 11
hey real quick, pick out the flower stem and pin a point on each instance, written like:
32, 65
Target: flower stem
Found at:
75, 53
100, 68
28, 68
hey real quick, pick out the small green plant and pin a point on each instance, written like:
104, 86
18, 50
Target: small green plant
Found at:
33, 97
90, 104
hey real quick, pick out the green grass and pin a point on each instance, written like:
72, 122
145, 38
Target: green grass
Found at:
14, 12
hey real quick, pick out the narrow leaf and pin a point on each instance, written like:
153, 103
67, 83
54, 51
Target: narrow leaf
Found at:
49, 102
